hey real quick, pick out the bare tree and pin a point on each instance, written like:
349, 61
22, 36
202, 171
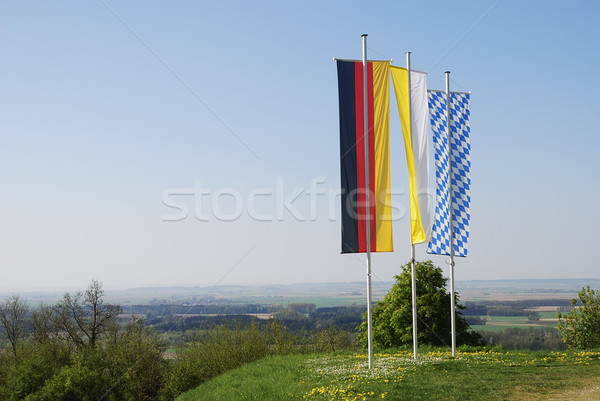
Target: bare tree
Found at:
84, 317
43, 324
14, 314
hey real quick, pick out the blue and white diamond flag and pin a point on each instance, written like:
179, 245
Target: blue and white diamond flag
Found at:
460, 161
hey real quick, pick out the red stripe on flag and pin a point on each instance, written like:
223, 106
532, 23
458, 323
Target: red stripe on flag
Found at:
360, 157
372, 195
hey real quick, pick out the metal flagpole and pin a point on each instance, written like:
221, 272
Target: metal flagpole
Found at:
449, 135
412, 246
368, 192
414, 301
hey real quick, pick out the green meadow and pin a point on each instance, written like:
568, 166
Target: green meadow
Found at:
501, 323
472, 375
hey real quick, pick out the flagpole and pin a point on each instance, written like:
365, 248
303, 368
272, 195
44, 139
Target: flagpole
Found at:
413, 269
414, 301
367, 195
449, 135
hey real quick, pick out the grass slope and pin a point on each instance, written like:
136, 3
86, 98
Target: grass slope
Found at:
477, 375
271, 378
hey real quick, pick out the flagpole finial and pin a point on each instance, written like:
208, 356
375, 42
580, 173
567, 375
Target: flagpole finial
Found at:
446, 72
408, 53
363, 35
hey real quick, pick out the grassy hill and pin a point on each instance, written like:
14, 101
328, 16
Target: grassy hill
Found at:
472, 375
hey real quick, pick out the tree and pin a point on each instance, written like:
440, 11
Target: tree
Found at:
81, 379
14, 314
44, 328
580, 326
135, 362
392, 317
84, 317
23, 375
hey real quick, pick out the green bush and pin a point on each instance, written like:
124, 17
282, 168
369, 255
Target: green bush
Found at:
580, 327
26, 374
126, 366
135, 363
81, 380
213, 352
280, 337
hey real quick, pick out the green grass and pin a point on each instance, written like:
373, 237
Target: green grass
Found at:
496, 327
517, 320
548, 315
271, 378
500, 323
436, 375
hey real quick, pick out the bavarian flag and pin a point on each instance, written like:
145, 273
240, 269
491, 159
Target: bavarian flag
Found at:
354, 212
412, 106
453, 202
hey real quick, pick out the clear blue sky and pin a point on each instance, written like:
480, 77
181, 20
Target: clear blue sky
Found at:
107, 106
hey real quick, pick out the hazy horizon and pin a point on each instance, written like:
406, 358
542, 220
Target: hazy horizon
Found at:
213, 287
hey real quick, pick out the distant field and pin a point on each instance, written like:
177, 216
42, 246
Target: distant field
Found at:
256, 315
322, 294
494, 328
509, 295
501, 323
348, 293
320, 301
548, 315
545, 309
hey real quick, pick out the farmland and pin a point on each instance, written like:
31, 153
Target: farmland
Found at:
322, 294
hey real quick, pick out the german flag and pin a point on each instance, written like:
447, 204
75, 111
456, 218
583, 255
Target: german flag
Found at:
352, 156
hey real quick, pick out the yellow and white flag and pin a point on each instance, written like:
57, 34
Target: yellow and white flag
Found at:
414, 118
